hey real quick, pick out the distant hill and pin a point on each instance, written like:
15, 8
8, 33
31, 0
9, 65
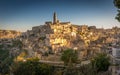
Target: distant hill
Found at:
9, 34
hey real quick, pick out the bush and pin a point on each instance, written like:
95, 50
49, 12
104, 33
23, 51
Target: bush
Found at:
69, 55
101, 62
31, 67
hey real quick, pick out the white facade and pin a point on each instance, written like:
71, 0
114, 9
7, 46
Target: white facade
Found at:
116, 55
116, 52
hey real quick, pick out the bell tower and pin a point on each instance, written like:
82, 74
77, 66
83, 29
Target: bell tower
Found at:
54, 18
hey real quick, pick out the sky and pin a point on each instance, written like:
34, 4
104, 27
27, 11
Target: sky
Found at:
22, 15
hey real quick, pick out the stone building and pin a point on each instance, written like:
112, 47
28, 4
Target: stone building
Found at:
55, 35
116, 55
63, 32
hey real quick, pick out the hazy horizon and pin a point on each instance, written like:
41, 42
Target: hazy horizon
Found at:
22, 15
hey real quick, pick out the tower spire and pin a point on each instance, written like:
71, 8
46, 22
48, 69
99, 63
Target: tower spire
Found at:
54, 18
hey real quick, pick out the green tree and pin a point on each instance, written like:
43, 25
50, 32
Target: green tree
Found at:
17, 43
69, 55
117, 4
101, 62
31, 67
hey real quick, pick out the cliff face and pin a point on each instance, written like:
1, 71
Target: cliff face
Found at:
6, 34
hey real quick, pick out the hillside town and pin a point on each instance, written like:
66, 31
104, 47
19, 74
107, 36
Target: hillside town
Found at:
54, 37
5, 34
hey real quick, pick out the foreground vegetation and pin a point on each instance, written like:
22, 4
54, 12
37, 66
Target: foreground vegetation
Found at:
99, 66
5, 60
31, 67
117, 4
